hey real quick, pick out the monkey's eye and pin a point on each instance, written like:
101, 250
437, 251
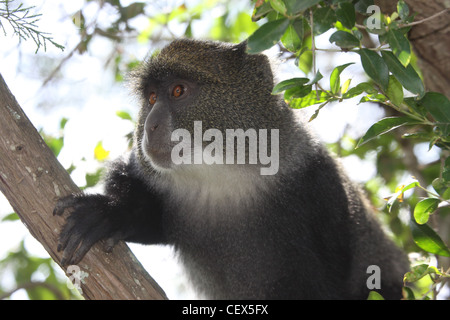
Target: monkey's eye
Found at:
152, 98
178, 91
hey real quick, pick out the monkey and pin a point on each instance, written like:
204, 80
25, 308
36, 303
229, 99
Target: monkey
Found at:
299, 231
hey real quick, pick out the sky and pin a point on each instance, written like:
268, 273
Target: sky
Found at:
89, 97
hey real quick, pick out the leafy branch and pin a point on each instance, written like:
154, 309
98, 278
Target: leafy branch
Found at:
24, 24
393, 82
404, 25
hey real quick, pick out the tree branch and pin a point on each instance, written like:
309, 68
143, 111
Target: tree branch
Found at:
32, 180
30, 285
425, 19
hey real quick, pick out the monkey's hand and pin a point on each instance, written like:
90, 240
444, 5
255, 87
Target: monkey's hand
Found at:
92, 218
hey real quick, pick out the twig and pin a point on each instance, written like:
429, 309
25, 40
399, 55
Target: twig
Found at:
313, 49
24, 25
412, 23
424, 20
58, 294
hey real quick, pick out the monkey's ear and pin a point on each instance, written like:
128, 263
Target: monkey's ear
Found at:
240, 47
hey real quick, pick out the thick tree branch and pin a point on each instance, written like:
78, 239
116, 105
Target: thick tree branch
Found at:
32, 180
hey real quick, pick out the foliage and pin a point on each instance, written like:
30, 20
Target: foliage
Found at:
24, 25
27, 269
391, 77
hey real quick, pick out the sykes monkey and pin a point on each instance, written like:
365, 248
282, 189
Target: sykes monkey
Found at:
303, 232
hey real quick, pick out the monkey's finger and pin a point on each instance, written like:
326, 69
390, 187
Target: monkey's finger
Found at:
64, 203
69, 248
111, 242
85, 246
66, 234
88, 240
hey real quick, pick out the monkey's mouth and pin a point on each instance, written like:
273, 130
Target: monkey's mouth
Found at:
159, 155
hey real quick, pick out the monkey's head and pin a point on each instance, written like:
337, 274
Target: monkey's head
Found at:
216, 83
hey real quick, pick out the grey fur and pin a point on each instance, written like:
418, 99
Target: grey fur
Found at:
304, 233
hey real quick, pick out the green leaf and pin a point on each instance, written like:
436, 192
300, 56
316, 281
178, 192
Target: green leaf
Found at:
346, 14
408, 77
428, 240
446, 175
296, 87
383, 126
278, 5
440, 185
358, 34
399, 192
305, 62
402, 9
316, 113
345, 86
297, 92
335, 83
400, 46
295, 6
377, 98
414, 106
375, 67
344, 39
288, 84
124, 115
55, 144
261, 11
10, 217
62, 123
291, 40
267, 35
408, 294
424, 208
299, 26
323, 19
316, 78
438, 105
360, 88
418, 272
309, 100
362, 5
395, 91
94, 178
373, 295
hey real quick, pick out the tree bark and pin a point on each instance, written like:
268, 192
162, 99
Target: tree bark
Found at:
32, 180
430, 40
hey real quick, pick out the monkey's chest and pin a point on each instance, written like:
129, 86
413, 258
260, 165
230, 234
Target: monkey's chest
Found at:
226, 258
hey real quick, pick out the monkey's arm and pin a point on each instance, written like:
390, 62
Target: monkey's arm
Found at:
128, 211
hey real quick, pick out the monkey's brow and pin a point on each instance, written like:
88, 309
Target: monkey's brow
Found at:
157, 72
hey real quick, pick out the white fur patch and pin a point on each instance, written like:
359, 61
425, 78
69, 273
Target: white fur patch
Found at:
213, 187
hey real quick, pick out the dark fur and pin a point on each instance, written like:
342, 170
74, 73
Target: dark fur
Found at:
303, 233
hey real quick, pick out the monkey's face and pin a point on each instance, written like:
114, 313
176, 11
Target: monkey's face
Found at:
216, 85
168, 100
